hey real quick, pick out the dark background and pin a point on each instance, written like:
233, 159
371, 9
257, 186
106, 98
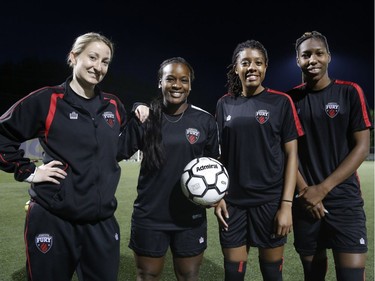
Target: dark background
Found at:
35, 37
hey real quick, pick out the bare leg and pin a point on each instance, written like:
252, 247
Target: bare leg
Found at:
350, 266
187, 269
148, 268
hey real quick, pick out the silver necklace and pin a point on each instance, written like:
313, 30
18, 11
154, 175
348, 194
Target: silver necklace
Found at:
174, 121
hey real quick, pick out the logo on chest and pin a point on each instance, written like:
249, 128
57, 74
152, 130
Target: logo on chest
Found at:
73, 115
109, 117
262, 116
332, 109
192, 135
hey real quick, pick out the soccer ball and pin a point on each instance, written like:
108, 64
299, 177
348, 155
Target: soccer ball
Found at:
204, 181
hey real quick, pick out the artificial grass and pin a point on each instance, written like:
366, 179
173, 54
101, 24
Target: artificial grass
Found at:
13, 196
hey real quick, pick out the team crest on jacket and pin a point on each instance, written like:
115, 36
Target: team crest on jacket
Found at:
262, 116
332, 109
192, 135
44, 242
109, 117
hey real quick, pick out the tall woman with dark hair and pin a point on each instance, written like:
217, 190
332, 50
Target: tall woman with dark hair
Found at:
175, 133
328, 213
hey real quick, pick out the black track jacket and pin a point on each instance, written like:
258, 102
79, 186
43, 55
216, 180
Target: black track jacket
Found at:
86, 145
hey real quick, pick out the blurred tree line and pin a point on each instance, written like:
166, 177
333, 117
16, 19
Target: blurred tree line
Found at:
19, 79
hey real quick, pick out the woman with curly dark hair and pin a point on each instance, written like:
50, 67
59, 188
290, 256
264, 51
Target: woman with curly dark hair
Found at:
258, 130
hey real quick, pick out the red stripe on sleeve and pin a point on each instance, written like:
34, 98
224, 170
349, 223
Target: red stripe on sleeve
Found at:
361, 96
112, 101
295, 114
51, 112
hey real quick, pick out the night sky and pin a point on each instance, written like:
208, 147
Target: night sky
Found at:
147, 32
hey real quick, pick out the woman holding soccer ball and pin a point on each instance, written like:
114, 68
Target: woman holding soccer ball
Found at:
258, 129
329, 213
163, 217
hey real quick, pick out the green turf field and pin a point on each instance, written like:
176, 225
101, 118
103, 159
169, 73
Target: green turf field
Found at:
13, 196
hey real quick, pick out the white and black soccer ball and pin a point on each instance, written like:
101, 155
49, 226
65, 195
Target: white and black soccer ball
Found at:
204, 181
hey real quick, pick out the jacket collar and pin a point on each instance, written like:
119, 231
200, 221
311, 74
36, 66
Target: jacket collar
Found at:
68, 91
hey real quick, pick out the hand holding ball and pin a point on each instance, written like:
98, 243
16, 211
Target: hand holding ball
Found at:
204, 181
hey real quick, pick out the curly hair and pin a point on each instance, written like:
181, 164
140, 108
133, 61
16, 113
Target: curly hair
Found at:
233, 81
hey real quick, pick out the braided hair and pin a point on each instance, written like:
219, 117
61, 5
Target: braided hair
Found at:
153, 152
233, 81
311, 34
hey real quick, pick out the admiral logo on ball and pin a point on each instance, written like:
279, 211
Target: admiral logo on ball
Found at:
209, 166
44, 242
332, 109
192, 135
109, 117
262, 116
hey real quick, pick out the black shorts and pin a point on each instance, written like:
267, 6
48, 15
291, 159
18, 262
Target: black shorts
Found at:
154, 243
251, 226
342, 230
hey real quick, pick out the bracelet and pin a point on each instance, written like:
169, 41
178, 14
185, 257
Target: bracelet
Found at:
285, 200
